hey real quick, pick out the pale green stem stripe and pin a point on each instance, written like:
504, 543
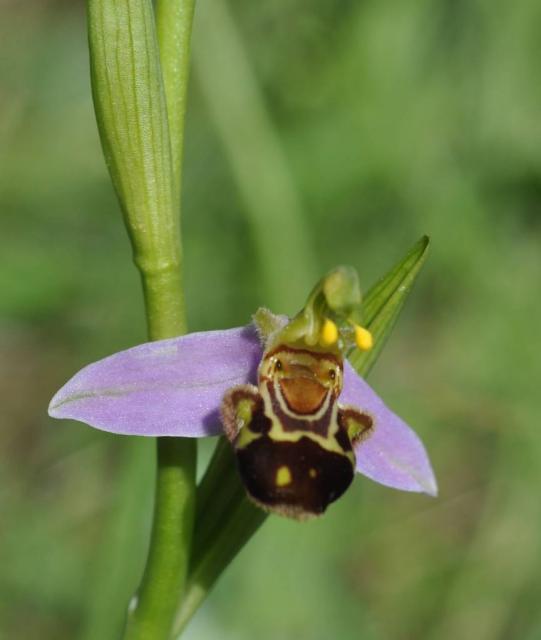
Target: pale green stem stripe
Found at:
174, 20
256, 156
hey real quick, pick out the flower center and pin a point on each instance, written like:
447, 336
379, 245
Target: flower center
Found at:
303, 395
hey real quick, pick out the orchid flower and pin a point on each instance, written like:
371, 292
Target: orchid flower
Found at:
177, 387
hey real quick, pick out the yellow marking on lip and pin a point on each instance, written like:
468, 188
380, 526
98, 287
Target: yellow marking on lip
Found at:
313, 473
245, 437
283, 477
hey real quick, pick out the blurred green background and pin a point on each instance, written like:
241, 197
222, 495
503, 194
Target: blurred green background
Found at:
318, 133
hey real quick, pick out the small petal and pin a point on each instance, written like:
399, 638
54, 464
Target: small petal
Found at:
166, 388
393, 455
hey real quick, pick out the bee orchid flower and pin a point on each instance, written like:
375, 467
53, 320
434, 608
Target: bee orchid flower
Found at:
268, 387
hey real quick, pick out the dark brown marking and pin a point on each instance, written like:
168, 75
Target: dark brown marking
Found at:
260, 423
342, 437
307, 494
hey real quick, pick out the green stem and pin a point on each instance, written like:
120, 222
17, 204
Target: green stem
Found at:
165, 573
164, 302
140, 114
163, 581
162, 586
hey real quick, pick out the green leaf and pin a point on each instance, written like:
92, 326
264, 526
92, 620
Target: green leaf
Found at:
131, 112
384, 301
